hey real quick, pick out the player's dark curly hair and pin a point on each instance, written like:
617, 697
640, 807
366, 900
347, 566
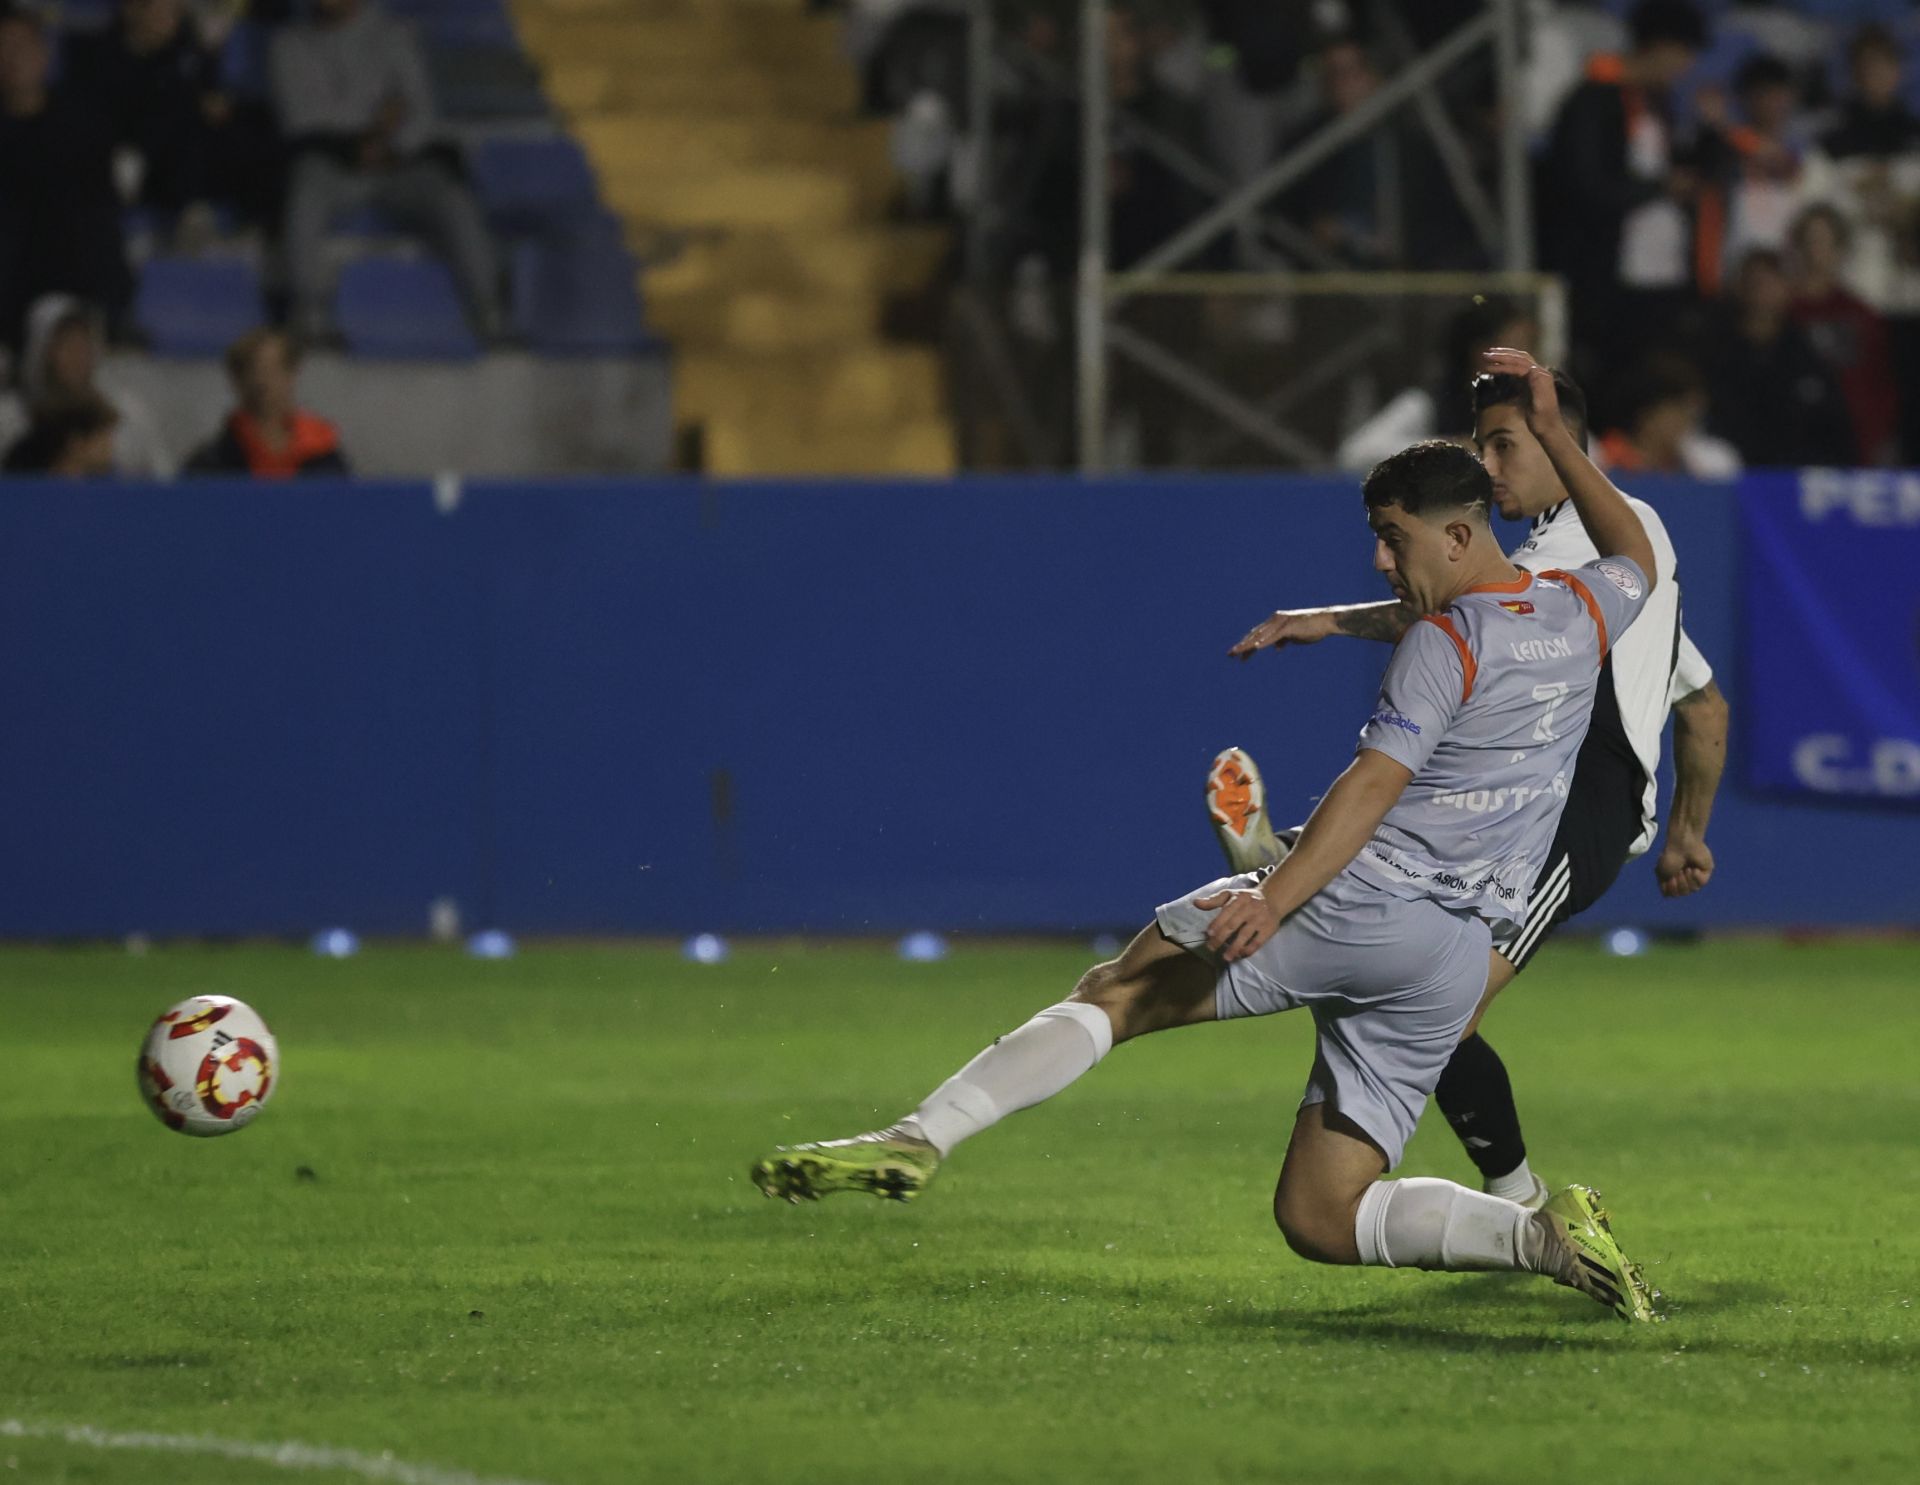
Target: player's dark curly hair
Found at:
1497, 389
1430, 476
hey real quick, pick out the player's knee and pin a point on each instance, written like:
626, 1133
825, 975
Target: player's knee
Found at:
1317, 1230
1116, 992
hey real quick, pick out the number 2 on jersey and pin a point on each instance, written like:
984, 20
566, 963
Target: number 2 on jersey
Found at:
1553, 693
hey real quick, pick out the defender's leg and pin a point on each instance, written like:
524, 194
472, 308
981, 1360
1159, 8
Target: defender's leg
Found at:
1333, 1207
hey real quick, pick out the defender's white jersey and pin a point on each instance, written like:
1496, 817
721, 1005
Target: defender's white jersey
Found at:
1654, 664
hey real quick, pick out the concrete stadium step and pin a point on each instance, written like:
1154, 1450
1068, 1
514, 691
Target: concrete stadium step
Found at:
891, 260
751, 319
920, 448
595, 83
871, 386
726, 135
788, 39
733, 139
791, 198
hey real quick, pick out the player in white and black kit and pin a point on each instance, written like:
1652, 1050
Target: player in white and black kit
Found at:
1610, 815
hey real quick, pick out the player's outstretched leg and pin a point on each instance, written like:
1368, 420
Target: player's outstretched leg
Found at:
1333, 1207
1237, 806
1153, 986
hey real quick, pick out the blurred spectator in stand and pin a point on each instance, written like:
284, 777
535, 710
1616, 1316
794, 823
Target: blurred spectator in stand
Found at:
1612, 201
269, 435
157, 76
1445, 409
1845, 332
1771, 394
1666, 402
1868, 165
1147, 200
62, 364
351, 90
1874, 120
70, 440
1343, 201
1752, 168
59, 217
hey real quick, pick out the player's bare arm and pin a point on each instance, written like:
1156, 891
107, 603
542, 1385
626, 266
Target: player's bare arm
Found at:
1305, 626
1344, 821
1611, 523
1699, 758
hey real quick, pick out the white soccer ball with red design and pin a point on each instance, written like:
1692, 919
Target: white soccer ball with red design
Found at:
208, 1066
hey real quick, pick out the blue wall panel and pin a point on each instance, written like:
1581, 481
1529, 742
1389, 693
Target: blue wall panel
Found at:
656, 707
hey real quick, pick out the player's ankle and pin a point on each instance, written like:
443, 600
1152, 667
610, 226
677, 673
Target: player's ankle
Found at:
1515, 1185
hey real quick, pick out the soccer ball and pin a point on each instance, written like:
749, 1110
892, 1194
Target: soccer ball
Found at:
208, 1066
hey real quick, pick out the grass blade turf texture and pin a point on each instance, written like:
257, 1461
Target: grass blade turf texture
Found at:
527, 1245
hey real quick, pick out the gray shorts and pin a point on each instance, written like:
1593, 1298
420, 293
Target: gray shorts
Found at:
1391, 983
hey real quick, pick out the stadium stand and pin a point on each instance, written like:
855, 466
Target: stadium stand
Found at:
798, 180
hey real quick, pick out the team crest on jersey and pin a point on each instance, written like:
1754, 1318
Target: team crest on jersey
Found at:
1516, 605
1621, 577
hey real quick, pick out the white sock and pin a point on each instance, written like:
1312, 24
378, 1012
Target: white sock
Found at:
1424, 1223
1515, 1185
1020, 1069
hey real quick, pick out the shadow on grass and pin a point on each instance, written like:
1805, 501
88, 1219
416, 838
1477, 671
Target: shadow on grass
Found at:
1460, 1321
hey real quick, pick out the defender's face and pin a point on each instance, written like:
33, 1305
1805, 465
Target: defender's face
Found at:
1415, 557
1524, 483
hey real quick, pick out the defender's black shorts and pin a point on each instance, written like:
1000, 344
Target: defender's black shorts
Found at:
1598, 827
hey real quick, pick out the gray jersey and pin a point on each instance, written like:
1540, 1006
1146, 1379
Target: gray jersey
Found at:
1487, 703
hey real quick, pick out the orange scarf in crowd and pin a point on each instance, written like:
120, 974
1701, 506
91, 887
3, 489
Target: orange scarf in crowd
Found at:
308, 439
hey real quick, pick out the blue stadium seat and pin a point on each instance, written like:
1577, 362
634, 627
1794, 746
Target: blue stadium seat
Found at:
197, 306
402, 309
523, 183
575, 292
365, 221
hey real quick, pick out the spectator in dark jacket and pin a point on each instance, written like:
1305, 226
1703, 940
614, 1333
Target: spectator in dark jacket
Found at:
150, 74
269, 435
71, 440
1773, 398
1611, 198
1874, 121
1846, 333
159, 81
59, 217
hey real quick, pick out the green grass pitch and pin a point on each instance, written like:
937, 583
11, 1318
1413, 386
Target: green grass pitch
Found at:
528, 1247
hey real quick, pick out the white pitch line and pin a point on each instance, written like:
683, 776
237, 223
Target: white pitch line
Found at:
289, 1456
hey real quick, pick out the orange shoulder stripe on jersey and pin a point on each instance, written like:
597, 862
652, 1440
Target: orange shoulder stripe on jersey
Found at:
1586, 597
1468, 669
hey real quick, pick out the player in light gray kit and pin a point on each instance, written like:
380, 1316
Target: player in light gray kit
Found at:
1381, 918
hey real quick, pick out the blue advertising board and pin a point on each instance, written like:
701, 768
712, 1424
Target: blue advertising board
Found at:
979, 705
1832, 651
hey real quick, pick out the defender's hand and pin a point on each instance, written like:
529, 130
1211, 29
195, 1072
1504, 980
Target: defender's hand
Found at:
1543, 404
1246, 920
1288, 626
1684, 867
